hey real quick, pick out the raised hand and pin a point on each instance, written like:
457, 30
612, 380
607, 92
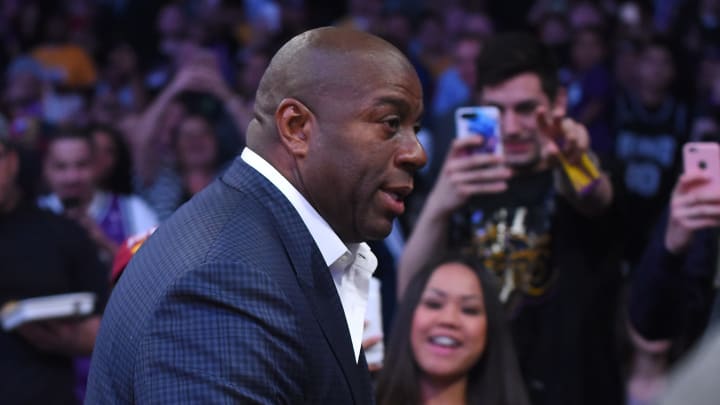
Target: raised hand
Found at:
690, 211
465, 174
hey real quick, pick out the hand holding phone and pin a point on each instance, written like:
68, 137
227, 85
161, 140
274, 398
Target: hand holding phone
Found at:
481, 121
703, 158
695, 201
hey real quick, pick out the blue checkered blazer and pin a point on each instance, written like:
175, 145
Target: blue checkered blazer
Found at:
229, 301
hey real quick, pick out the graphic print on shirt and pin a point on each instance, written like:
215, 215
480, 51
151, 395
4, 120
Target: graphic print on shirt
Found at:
514, 244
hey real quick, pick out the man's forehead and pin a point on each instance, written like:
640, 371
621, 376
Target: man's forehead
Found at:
525, 87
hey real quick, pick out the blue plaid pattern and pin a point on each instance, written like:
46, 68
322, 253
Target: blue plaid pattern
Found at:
228, 302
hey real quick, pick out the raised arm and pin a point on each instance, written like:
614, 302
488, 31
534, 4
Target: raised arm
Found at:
564, 138
462, 176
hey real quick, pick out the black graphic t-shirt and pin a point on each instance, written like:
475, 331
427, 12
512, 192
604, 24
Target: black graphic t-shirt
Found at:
511, 233
559, 275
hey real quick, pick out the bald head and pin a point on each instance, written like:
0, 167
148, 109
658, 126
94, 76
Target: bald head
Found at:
319, 66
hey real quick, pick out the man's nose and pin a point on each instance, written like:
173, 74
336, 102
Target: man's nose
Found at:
510, 123
412, 154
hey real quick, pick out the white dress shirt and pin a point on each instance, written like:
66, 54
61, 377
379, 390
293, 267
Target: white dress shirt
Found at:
351, 265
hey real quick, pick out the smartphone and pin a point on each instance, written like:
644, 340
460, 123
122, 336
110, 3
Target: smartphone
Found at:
703, 157
483, 121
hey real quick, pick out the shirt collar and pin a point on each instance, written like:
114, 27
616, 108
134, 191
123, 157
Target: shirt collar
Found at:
327, 241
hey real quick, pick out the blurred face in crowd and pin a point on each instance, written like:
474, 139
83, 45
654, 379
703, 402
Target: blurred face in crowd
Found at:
367, 149
8, 172
171, 28
105, 153
432, 35
588, 50
449, 327
656, 70
196, 145
466, 54
23, 88
518, 99
70, 169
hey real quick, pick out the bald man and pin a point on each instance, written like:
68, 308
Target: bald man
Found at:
255, 291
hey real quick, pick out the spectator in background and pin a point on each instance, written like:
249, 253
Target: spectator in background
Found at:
172, 33
674, 288
624, 69
69, 170
456, 84
652, 124
113, 165
589, 88
167, 170
549, 246
554, 32
42, 254
197, 164
23, 99
67, 65
120, 85
430, 45
450, 343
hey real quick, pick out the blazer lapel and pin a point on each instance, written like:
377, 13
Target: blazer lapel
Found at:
312, 273
329, 313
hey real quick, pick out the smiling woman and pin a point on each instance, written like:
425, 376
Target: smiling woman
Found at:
450, 343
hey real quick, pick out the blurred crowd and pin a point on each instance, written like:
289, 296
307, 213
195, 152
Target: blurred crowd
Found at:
121, 110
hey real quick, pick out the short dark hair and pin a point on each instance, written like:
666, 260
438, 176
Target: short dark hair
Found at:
508, 55
494, 379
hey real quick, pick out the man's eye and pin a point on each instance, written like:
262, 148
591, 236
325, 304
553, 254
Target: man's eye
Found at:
393, 124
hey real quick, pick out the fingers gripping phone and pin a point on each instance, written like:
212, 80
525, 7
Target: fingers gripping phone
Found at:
483, 121
703, 157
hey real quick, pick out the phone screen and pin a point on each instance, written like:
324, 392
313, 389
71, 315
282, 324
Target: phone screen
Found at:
480, 121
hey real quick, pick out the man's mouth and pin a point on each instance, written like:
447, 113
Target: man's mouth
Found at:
394, 198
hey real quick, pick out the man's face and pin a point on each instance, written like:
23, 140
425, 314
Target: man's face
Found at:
362, 156
518, 99
655, 68
69, 169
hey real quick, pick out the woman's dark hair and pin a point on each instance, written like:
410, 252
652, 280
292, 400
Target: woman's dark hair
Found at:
120, 179
507, 55
495, 379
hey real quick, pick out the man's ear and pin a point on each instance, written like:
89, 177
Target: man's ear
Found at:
559, 104
294, 123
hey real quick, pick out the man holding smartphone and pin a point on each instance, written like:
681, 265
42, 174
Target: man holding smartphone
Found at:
674, 288
548, 244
